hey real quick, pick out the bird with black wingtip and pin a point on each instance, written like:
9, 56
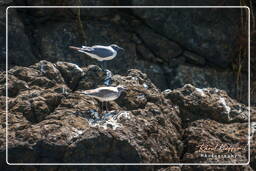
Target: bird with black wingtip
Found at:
99, 52
102, 53
105, 94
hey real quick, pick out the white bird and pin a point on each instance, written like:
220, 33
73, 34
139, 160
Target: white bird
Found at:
105, 94
99, 52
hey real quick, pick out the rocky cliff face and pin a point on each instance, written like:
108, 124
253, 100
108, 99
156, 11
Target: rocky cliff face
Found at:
162, 43
160, 118
50, 121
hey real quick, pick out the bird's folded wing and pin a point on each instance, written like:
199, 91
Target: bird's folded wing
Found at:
87, 48
100, 92
101, 52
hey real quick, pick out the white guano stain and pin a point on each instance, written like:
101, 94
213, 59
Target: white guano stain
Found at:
226, 107
201, 92
110, 120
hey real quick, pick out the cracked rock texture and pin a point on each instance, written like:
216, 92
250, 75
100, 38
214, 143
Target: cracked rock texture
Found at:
179, 65
49, 121
162, 43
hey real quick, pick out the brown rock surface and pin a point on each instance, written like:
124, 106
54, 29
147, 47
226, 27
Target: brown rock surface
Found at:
155, 40
207, 103
56, 124
50, 121
173, 47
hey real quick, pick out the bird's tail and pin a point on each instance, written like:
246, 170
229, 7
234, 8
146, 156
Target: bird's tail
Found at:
75, 48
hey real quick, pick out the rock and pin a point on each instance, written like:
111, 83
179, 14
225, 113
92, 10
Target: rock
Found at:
17, 52
24, 73
43, 15
170, 168
214, 40
210, 77
159, 45
194, 58
55, 124
125, 61
49, 120
207, 137
71, 73
2, 35
54, 38
103, 12
202, 167
180, 3
207, 103
154, 71
253, 137
218, 167
94, 77
15, 86
49, 70
49, 33
66, 127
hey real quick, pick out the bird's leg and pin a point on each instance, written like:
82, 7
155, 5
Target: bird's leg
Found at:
102, 107
107, 107
104, 65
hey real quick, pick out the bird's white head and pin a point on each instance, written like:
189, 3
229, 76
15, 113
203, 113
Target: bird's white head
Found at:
121, 88
116, 47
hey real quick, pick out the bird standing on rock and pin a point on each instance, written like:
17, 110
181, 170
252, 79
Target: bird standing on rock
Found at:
99, 52
105, 94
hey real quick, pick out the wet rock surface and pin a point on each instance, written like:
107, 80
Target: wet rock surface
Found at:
57, 124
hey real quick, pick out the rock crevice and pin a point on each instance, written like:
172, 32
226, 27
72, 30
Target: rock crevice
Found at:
144, 125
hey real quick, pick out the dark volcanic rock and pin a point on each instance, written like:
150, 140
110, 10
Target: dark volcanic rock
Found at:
50, 121
93, 77
202, 136
208, 168
208, 103
69, 127
18, 51
211, 77
71, 73
55, 124
54, 38
154, 39
253, 138
219, 168
194, 58
50, 71
212, 36
162, 48
183, 3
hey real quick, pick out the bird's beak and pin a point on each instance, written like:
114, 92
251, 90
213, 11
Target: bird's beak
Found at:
75, 48
122, 49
